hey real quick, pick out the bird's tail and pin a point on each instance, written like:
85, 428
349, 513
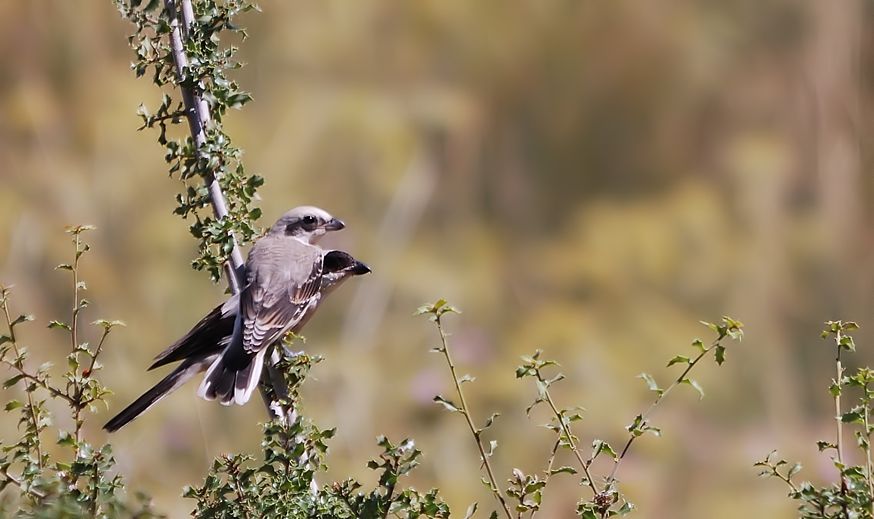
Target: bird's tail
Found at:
207, 337
167, 385
232, 378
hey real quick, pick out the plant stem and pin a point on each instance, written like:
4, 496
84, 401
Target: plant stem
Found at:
388, 497
234, 471
868, 465
95, 487
465, 410
840, 434
631, 435
567, 434
74, 322
198, 116
550, 463
838, 421
96, 353
34, 418
839, 447
74, 337
29, 489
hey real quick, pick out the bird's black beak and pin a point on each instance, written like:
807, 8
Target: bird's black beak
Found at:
334, 225
360, 268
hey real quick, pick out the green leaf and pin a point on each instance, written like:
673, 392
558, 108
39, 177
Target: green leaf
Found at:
12, 381
65, 438
824, 445
626, 508
854, 416
600, 446
108, 325
13, 405
719, 354
59, 324
679, 359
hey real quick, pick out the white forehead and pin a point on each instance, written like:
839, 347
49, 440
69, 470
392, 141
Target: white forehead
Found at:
304, 210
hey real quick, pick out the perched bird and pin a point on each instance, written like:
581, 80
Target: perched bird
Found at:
276, 298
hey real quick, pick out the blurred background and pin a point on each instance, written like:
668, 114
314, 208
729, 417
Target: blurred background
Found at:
586, 177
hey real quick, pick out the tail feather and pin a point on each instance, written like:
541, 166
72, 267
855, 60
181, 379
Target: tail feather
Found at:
205, 338
165, 386
230, 382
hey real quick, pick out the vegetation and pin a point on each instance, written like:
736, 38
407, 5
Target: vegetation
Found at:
78, 480
530, 126
54, 470
852, 494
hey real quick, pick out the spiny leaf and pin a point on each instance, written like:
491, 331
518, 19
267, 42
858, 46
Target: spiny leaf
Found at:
12, 381
448, 404
59, 324
651, 383
678, 359
719, 354
22, 318
695, 385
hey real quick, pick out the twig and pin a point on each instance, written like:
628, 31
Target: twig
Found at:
74, 337
839, 447
198, 116
29, 489
633, 433
550, 463
840, 433
465, 410
388, 497
97, 351
16, 365
36, 380
95, 480
567, 433
867, 446
234, 471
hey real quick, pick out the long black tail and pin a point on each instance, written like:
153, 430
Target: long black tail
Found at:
167, 385
205, 338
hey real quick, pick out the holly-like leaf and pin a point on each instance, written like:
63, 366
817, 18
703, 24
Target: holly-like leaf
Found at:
448, 404
651, 383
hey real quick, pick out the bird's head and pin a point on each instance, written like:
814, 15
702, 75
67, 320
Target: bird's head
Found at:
306, 223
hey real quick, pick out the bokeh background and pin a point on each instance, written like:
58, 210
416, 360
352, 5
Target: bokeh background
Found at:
587, 177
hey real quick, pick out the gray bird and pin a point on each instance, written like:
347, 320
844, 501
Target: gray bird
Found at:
277, 297
282, 290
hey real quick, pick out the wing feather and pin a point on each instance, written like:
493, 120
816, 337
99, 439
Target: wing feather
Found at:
270, 311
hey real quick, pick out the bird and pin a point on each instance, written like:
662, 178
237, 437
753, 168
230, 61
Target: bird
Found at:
223, 342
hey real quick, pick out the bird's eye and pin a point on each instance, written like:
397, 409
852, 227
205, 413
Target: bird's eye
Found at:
309, 219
